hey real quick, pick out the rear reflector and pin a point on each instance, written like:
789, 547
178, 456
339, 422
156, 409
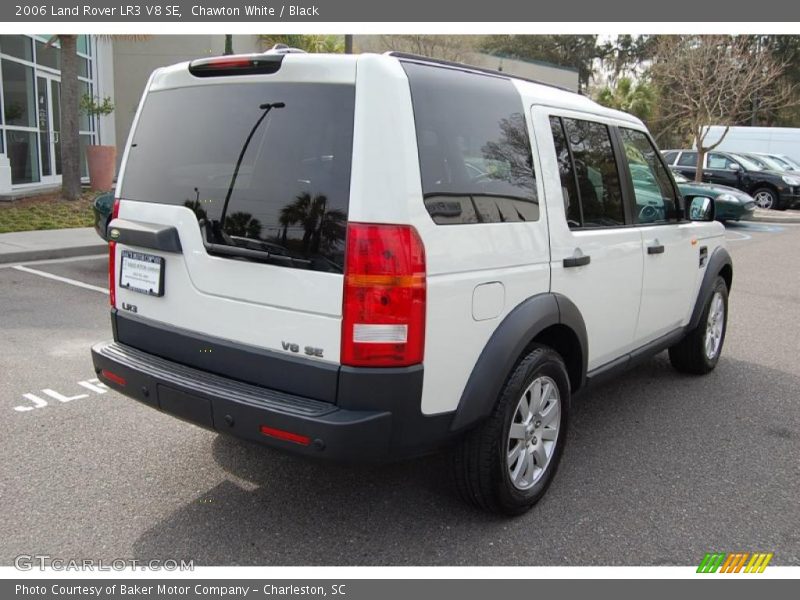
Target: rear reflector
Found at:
287, 436
383, 314
243, 64
112, 252
113, 377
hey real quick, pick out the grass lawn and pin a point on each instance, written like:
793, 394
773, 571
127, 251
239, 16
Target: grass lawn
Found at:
48, 211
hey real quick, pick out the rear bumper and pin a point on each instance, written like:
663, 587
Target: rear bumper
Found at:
392, 428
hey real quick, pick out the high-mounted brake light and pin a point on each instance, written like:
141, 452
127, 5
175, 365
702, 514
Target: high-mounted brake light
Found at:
112, 253
241, 64
383, 313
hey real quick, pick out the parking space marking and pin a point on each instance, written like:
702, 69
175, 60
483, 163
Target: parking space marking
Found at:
93, 385
743, 237
74, 282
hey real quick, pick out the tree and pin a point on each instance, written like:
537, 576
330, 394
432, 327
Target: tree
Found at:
635, 98
228, 44
715, 80
70, 132
445, 47
627, 55
70, 107
577, 51
310, 43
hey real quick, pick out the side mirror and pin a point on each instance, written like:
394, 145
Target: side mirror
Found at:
700, 208
734, 166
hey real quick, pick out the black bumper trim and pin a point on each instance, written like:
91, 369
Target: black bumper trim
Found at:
388, 427
257, 366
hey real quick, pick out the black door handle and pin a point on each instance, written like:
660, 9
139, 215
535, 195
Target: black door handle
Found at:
577, 261
655, 249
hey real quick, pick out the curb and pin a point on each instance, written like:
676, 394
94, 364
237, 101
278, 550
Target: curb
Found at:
48, 253
777, 220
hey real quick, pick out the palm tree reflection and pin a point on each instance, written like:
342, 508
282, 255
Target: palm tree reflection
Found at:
322, 229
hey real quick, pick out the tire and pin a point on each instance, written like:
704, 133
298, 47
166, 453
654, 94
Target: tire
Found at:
766, 198
481, 469
693, 353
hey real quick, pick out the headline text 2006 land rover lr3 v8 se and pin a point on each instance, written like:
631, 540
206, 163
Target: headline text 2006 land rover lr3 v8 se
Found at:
371, 257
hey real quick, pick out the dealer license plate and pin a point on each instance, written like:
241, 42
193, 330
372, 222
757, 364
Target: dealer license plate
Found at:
143, 273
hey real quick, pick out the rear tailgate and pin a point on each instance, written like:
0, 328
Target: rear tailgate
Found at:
253, 172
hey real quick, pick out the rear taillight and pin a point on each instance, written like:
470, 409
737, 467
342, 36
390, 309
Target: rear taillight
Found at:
112, 251
383, 320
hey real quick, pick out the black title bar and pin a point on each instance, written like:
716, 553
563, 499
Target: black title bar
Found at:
496, 11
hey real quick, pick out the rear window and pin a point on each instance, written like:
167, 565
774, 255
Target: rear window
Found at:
289, 198
474, 150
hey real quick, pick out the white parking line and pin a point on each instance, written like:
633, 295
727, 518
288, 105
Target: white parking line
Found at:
743, 237
74, 282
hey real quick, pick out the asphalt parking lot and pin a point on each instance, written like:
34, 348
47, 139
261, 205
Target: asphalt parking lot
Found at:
659, 469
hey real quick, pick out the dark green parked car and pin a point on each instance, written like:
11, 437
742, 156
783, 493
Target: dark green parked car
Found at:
102, 207
730, 204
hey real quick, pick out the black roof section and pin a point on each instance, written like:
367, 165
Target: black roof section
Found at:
426, 60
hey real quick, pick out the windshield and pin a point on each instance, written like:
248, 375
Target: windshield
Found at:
793, 164
774, 163
747, 163
264, 166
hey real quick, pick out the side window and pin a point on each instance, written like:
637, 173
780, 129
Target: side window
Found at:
718, 161
688, 159
669, 157
569, 189
652, 187
474, 151
596, 174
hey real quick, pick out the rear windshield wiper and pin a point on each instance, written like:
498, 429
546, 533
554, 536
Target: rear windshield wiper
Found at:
265, 108
240, 252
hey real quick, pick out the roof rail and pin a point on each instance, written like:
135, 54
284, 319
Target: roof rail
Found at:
418, 58
284, 49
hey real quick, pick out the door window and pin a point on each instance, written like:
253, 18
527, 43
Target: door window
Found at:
688, 159
569, 188
595, 172
652, 186
719, 161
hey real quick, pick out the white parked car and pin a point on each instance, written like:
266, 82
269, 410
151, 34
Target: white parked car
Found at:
373, 257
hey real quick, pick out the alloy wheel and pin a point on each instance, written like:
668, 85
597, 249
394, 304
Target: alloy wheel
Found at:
533, 434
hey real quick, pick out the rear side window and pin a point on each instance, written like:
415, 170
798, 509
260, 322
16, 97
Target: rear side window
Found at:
596, 175
688, 159
284, 170
474, 150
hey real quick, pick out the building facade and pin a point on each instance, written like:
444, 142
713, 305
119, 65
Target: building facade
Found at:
30, 114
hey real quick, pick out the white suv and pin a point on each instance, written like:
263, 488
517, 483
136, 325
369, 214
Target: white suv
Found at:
372, 257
